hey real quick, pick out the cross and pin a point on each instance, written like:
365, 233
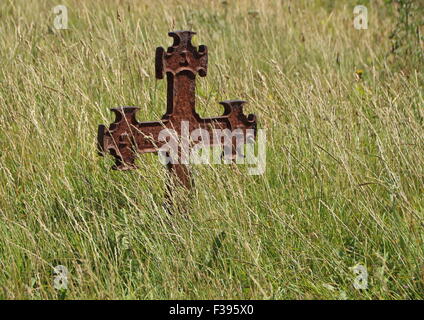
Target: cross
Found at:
126, 137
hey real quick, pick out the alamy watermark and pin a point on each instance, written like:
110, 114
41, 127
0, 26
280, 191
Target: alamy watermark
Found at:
360, 22
60, 281
194, 148
361, 280
61, 19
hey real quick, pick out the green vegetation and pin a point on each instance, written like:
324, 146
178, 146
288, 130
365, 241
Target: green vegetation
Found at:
344, 181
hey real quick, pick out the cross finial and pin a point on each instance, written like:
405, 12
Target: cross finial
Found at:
181, 56
182, 38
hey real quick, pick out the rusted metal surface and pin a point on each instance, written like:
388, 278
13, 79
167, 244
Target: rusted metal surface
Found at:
126, 137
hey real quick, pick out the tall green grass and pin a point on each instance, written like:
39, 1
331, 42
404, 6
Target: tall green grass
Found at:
344, 180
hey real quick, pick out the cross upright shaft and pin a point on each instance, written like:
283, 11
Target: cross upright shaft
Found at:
181, 63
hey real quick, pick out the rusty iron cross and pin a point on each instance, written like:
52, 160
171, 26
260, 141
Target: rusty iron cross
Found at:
126, 137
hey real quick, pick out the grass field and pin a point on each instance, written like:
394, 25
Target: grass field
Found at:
344, 180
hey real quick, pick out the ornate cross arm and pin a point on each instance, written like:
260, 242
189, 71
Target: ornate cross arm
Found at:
126, 137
